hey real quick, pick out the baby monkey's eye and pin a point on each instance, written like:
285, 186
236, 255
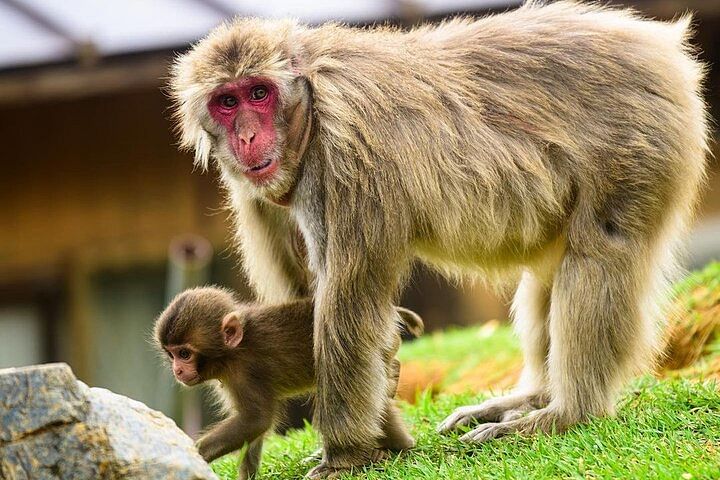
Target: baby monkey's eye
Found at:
169, 354
184, 354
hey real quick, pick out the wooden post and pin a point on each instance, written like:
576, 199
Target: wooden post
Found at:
190, 257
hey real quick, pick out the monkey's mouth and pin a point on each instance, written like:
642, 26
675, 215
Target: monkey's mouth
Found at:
262, 166
262, 171
191, 381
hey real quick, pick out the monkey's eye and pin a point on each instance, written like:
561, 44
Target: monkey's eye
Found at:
228, 101
169, 354
184, 354
258, 93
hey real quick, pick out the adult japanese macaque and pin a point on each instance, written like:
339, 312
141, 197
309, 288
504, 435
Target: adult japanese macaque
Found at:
261, 355
561, 146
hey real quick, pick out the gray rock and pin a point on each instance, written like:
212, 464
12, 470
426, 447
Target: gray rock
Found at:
55, 427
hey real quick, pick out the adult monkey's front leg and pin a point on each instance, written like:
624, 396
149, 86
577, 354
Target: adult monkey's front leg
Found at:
266, 234
353, 328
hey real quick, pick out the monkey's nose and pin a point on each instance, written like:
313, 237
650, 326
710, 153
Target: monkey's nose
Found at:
178, 371
247, 137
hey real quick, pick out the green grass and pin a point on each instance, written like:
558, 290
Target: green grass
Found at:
708, 276
462, 344
664, 429
461, 351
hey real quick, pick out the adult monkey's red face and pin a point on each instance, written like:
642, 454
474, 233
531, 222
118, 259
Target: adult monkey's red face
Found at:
246, 111
242, 101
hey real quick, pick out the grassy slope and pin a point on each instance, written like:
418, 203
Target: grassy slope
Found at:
664, 428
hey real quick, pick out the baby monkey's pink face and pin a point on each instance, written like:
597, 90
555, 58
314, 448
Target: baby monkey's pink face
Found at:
184, 363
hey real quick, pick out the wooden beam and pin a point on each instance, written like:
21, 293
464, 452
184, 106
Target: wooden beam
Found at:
69, 82
85, 51
673, 8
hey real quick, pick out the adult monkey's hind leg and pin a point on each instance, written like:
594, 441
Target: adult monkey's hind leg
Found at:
599, 334
530, 312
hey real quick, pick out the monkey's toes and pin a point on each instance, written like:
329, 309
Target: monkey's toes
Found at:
314, 457
485, 432
494, 410
325, 471
462, 416
378, 455
511, 415
543, 420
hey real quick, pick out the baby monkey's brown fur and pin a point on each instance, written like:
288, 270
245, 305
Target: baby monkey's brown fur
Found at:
261, 355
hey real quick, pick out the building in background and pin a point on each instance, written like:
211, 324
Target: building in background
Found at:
93, 190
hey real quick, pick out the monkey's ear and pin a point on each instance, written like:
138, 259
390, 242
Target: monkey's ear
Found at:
232, 329
412, 322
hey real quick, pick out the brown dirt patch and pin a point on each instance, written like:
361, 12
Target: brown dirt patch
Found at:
691, 328
416, 377
490, 375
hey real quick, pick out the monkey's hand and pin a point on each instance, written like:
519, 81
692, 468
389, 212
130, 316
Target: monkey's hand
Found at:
202, 449
345, 461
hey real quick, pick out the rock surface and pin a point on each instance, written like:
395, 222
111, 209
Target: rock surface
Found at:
54, 427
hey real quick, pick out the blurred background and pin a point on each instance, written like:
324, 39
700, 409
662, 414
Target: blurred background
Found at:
102, 220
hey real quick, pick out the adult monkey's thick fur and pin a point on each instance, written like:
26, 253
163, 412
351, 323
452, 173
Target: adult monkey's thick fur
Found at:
560, 144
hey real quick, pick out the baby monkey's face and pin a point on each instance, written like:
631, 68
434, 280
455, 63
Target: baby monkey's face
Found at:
197, 331
184, 363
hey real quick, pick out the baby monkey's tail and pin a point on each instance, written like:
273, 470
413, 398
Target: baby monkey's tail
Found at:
411, 321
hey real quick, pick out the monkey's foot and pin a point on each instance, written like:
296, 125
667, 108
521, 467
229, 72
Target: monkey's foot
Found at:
342, 463
398, 442
325, 471
314, 457
499, 409
545, 420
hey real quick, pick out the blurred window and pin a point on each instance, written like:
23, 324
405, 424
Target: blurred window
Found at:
21, 340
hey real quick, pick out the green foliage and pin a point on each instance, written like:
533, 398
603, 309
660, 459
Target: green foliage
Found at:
708, 277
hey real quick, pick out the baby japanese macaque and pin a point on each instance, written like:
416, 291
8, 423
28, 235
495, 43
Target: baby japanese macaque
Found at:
261, 355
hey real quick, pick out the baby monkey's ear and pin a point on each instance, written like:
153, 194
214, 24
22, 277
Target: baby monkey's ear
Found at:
413, 323
232, 329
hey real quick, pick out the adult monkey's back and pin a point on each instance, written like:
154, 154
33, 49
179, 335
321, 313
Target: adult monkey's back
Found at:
563, 145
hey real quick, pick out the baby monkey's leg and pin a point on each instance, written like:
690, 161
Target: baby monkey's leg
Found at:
395, 434
234, 432
251, 462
